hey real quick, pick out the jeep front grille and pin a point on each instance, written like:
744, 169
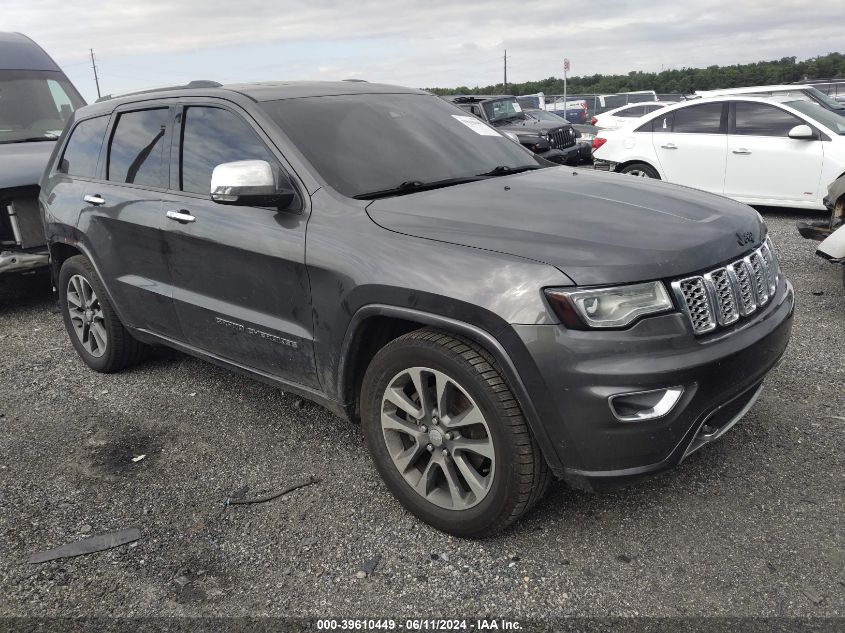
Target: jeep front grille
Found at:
562, 138
722, 296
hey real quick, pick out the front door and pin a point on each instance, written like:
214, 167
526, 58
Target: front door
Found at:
241, 290
691, 145
764, 163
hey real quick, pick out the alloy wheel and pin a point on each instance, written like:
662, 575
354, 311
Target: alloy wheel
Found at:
438, 438
86, 316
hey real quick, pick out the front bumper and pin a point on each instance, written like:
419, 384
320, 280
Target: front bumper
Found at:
571, 374
22, 261
569, 156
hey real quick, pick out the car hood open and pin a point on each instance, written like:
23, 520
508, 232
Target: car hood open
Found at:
21, 164
596, 228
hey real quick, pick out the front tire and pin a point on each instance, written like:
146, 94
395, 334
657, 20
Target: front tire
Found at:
447, 435
640, 170
93, 326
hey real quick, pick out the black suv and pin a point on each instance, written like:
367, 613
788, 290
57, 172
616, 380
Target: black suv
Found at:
490, 319
555, 141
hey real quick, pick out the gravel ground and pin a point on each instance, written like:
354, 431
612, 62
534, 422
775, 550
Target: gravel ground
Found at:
749, 526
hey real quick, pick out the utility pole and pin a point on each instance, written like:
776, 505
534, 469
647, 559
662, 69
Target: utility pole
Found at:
506, 71
96, 79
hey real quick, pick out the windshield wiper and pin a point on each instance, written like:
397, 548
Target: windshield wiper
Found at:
502, 119
32, 139
505, 170
413, 186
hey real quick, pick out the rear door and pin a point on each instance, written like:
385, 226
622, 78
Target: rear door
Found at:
691, 144
764, 163
241, 289
77, 170
122, 220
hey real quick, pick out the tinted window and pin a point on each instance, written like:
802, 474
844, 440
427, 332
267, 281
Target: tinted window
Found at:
761, 119
699, 119
210, 137
136, 153
658, 124
364, 143
502, 109
633, 112
822, 115
653, 107
34, 104
83, 148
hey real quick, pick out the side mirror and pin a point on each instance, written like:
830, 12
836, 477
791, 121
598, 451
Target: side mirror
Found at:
802, 132
251, 183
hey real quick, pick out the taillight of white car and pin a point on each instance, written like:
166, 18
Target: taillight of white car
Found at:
598, 142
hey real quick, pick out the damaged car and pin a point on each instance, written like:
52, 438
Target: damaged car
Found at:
831, 232
36, 100
494, 321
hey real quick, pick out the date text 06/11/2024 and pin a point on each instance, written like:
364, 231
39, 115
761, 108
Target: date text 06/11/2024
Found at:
414, 624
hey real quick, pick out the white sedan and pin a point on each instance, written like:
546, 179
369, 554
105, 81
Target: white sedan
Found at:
765, 151
623, 115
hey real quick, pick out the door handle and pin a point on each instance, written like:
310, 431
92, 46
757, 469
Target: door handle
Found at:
741, 150
669, 146
181, 216
96, 200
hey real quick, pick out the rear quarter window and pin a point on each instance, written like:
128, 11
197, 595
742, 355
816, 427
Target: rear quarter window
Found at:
83, 148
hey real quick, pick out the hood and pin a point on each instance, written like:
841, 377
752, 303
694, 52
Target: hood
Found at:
21, 164
596, 228
529, 126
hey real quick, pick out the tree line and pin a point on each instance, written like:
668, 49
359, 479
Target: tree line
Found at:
684, 81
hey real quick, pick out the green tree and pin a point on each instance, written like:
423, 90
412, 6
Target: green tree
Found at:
685, 80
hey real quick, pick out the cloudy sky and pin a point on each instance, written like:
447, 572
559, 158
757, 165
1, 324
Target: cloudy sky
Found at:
143, 43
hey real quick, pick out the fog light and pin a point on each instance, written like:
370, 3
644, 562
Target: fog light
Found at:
639, 406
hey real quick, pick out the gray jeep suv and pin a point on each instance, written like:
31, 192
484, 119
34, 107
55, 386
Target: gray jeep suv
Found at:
491, 320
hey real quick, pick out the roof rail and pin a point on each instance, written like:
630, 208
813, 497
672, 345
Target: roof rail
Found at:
198, 83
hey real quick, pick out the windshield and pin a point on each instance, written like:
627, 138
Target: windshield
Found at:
542, 115
822, 98
831, 120
501, 109
35, 104
365, 143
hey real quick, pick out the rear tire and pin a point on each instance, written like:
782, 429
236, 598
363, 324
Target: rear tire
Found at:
461, 457
93, 326
640, 170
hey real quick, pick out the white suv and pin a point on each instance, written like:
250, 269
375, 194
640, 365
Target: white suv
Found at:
765, 151
797, 91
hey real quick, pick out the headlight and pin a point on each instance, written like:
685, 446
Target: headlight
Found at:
608, 307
